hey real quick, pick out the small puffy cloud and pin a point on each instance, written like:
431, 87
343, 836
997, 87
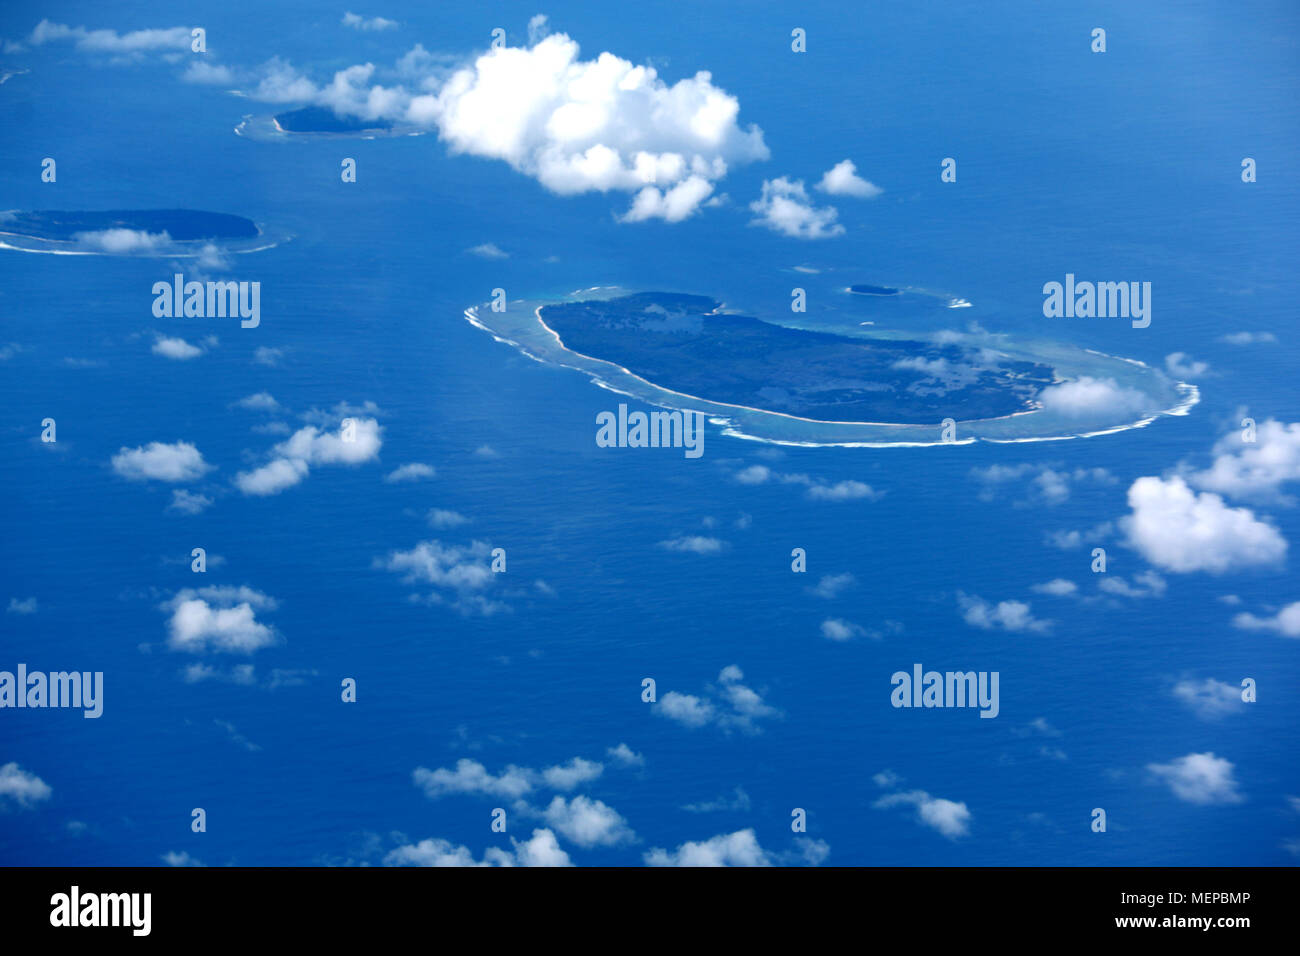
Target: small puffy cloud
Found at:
842, 179
1005, 615
471, 777
414, 471
271, 478
694, 544
948, 817
625, 756
808, 852
1057, 587
439, 852
887, 780
1072, 540
370, 25
1254, 470
817, 490
726, 849
587, 822
784, 207
746, 702
831, 585
264, 355
1209, 699
753, 475
124, 242
514, 782
279, 82
311, 446
204, 72
440, 518
1181, 530
1285, 622
488, 250
259, 402
1087, 396
835, 629
212, 257
179, 858
1182, 365
188, 502
25, 606
573, 774
1199, 778
842, 491
731, 705
222, 619
1047, 483
541, 849
175, 348
685, 709
461, 569
1146, 584
159, 461
318, 447
21, 789
671, 205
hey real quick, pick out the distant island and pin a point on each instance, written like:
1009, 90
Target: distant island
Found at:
686, 344
873, 290
180, 224
318, 119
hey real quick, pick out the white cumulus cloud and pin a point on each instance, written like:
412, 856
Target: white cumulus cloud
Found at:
159, 461
842, 179
175, 348
1285, 622
1086, 396
1254, 470
222, 619
593, 125
308, 447
21, 788
1006, 615
784, 207
948, 817
1210, 698
727, 849
1181, 530
1199, 778
587, 822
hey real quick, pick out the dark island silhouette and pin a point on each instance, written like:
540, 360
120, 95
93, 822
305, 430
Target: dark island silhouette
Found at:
318, 119
685, 344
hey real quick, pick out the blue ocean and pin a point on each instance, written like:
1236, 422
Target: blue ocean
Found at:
503, 714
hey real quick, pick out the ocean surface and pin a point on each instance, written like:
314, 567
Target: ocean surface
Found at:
1117, 166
